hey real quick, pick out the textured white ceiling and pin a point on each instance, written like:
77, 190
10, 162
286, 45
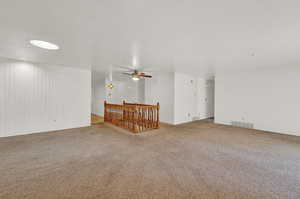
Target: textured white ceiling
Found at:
195, 36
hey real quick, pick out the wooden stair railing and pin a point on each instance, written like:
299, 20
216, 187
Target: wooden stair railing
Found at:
134, 117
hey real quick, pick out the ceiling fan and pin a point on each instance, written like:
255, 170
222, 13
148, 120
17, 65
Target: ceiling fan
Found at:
134, 73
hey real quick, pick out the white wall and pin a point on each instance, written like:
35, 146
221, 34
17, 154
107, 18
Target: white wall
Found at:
37, 98
194, 98
125, 89
160, 89
205, 98
185, 98
180, 97
141, 91
268, 99
98, 93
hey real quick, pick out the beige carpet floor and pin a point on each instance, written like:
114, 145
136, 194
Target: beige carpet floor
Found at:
196, 160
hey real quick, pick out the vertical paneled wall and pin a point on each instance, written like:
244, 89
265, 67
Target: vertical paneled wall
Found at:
37, 98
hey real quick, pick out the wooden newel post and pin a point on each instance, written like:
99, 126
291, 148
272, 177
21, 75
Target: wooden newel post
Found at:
105, 112
157, 119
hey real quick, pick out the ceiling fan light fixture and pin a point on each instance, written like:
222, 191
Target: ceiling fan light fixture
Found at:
135, 78
135, 74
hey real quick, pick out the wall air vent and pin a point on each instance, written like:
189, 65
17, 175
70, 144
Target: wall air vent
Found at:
242, 124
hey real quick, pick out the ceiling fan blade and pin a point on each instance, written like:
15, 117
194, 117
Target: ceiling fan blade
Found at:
128, 68
144, 75
130, 74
